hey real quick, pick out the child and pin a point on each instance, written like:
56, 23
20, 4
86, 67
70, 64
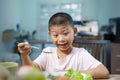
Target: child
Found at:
64, 56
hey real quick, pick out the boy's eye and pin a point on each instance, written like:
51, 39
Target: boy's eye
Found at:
66, 33
55, 35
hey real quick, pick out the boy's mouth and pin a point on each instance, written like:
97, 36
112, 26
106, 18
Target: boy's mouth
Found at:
62, 45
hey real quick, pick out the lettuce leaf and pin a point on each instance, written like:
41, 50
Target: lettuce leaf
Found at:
76, 75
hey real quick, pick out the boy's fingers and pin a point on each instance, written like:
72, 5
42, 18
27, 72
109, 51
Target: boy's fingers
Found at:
23, 44
20, 44
26, 47
26, 43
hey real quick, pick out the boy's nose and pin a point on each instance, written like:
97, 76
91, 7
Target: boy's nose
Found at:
61, 38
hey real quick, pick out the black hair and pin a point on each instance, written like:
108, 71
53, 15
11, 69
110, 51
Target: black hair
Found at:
61, 18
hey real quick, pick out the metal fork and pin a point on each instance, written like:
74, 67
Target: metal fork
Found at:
37, 48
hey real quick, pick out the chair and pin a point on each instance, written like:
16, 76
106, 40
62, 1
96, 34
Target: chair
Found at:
100, 49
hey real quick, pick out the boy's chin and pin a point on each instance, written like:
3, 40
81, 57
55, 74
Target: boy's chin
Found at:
64, 49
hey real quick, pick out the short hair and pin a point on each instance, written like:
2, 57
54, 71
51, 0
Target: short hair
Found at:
60, 18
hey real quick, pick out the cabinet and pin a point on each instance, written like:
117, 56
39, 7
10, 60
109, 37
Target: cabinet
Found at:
115, 58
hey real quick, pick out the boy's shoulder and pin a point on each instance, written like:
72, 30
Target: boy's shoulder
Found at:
79, 50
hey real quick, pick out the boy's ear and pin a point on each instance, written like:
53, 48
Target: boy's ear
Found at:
75, 30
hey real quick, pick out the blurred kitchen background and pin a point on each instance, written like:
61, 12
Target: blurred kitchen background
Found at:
27, 20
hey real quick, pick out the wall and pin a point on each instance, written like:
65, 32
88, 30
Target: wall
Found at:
90, 9
108, 9
14, 12
28, 15
59, 2
25, 12
9, 14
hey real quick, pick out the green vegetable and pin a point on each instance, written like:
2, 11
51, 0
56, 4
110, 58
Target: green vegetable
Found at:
52, 77
76, 75
88, 77
69, 73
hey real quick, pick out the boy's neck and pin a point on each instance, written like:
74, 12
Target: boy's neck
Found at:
63, 54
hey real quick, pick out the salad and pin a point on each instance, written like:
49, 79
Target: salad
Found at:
76, 75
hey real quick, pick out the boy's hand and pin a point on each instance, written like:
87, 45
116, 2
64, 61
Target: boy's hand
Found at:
24, 48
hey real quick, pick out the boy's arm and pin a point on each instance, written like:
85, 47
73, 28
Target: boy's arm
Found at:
28, 62
25, 50
98, 72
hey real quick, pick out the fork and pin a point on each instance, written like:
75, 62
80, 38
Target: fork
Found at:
34, 47
37, 48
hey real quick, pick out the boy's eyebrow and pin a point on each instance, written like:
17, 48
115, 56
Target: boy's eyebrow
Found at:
62, 31
52, 31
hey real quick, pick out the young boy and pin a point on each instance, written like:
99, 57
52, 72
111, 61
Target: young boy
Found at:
64, 56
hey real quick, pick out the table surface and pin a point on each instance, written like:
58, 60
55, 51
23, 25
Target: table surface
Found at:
112, 77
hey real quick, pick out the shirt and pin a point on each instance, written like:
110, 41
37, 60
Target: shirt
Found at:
78, 59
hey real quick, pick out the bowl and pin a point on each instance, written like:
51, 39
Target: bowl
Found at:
12, 67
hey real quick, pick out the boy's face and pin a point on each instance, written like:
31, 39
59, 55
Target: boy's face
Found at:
62, 36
